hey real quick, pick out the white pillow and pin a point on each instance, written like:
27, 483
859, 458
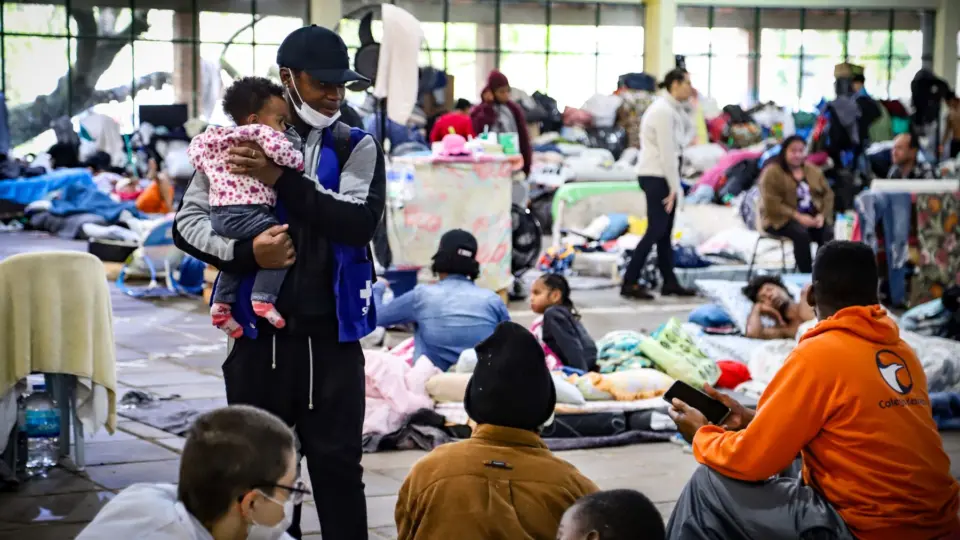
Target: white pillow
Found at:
566, 392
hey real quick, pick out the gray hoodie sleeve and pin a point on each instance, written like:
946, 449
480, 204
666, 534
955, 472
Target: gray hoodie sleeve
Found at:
193, 233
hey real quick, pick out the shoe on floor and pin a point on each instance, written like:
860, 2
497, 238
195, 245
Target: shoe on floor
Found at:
677, 290
635, 292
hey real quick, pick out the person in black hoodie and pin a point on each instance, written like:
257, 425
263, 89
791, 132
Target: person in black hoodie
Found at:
561, 332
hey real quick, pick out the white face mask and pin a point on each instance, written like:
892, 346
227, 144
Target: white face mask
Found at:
308, 114
255, 531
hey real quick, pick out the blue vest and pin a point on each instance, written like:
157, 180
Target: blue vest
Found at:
352, 271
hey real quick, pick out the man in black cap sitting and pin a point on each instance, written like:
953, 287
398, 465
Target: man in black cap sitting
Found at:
451, 315
503, 482
310, 373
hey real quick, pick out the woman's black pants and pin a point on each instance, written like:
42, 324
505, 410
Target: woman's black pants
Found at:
659, 232
802, 237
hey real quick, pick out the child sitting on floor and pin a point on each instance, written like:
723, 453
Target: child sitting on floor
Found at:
241, 207
558, 328
619, 514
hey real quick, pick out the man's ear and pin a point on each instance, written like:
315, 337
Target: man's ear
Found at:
246, 504
593, 535
812, 296
285, 75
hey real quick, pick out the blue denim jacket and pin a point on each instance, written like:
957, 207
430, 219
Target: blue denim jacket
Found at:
451, 315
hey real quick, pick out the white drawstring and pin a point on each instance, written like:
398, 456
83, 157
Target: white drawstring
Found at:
310, 352
274, 351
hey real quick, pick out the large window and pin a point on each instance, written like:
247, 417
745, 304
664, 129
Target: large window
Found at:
61, 58
570, 50
745, 55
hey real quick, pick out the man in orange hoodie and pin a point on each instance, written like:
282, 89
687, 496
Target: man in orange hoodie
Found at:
852, 400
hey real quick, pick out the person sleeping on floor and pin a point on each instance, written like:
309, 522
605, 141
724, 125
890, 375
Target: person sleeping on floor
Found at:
771, 299
852, 401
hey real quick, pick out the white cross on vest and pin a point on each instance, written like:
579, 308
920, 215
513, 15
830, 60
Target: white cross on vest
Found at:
366, 294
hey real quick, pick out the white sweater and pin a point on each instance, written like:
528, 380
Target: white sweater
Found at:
661, 133
147, 512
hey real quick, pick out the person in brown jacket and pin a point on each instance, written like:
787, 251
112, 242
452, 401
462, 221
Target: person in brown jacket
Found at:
796, 202
503, 482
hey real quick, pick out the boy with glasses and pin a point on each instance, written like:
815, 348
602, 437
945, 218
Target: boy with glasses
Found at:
238, 481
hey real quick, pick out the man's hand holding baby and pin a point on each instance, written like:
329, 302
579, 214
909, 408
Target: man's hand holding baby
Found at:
248, 158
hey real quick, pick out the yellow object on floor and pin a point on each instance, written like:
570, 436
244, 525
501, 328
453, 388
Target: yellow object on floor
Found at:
56, 317
636, 225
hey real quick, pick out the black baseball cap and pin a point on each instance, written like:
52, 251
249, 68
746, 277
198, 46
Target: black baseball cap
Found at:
321, 53
458, 243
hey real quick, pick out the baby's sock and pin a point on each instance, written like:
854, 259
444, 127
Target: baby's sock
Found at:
269, 312
223, 319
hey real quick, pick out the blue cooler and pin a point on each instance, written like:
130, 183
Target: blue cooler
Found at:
402, 279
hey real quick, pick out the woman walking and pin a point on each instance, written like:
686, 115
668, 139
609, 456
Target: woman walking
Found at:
661, 141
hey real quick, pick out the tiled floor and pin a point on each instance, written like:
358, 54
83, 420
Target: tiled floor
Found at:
170, 348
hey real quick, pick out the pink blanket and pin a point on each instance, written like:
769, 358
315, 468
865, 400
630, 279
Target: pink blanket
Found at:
712, 177
394, 390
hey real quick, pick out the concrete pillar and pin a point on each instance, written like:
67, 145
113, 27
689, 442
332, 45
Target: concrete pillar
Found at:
945, 46
660, 18
326, 13
185, 61
486, 39
928, 26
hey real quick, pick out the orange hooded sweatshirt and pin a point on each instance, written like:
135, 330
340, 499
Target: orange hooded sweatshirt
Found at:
852, 397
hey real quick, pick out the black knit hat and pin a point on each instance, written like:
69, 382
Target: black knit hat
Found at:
511, 385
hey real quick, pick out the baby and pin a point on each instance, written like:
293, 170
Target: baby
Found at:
241, 207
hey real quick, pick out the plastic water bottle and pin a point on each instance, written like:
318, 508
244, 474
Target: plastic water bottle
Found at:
394, 183
42, 426
408, 184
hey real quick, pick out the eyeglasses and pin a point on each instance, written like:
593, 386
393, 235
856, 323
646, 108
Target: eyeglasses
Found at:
297, 491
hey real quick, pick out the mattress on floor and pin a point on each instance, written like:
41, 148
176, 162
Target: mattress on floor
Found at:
456, 414
602, 264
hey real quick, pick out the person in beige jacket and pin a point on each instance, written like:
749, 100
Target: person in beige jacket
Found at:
796, 201
503, 482
662, 137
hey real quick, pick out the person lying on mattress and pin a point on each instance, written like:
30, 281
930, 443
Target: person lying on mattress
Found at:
502, 482
451, 315
771, 299
852, 400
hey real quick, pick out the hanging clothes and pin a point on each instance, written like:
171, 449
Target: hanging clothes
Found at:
397, 72
938, 235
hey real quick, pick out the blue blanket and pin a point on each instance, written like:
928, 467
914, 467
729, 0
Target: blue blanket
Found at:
33, 189
81, 198
946, 410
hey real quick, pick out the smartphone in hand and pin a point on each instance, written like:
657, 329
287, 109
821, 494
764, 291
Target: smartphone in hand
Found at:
715, 411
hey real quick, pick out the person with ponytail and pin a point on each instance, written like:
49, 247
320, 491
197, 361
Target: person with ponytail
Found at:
559, 328
662, 135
